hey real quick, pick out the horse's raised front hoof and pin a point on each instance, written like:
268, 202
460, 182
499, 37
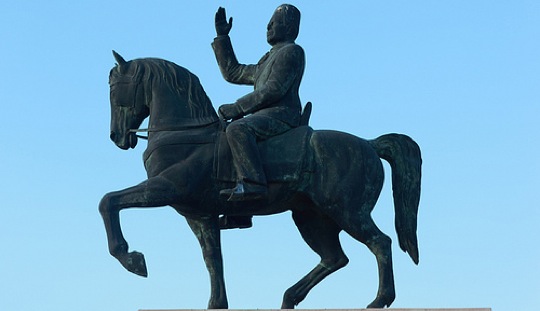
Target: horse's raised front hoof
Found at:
134, 262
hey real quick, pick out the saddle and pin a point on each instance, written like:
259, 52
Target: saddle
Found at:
283, 156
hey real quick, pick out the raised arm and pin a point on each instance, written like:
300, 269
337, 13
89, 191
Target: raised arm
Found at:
229, 66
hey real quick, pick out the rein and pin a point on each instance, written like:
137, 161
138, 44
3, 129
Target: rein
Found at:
170, 128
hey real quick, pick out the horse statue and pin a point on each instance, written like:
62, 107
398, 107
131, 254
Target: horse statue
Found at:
331, 185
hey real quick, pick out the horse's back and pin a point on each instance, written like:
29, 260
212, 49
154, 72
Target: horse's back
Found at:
344, 165
343, 149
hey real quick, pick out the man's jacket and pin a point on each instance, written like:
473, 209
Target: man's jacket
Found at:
276, 79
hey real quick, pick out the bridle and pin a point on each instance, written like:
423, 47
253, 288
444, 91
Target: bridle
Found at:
172, 128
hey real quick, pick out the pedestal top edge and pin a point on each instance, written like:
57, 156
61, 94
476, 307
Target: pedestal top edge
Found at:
391, 309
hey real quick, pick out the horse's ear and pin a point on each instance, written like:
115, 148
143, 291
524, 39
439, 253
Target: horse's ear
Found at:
119, 59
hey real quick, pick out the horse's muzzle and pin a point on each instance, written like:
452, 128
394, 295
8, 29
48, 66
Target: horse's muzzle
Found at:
128, 141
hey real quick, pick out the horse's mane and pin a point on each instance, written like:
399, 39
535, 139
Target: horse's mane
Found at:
156, 71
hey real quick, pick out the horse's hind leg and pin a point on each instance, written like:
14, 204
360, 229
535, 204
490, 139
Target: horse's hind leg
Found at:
363, 228
153, 192
322, 235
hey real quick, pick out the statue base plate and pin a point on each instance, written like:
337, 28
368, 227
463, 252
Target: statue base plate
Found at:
391, 309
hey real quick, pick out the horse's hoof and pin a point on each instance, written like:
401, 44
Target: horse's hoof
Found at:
287, 306
134, 262
218, 305
381, 302
375, 305
288, 302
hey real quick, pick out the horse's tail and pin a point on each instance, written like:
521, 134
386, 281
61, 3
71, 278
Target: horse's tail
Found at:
405, 159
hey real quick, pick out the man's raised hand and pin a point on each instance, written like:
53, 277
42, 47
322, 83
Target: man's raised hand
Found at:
222, 27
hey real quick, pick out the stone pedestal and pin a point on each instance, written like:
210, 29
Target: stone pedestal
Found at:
413, 309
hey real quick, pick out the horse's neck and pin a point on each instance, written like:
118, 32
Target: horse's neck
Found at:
171, 123
168, 111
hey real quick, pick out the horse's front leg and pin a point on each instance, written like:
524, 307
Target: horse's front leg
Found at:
207, 231
153, 192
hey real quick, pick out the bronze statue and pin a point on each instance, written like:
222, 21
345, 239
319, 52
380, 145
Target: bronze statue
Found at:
330, 180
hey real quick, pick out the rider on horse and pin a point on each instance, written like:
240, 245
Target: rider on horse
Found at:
272, 108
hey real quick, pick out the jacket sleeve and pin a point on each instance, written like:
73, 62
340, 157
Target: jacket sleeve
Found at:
287, 71
231, 70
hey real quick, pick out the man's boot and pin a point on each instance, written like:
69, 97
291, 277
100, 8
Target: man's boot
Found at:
245, 192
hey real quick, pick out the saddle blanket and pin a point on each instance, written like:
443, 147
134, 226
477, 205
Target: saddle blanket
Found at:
283, 156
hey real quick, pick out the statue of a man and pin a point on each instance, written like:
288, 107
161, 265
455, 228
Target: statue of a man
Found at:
272, 108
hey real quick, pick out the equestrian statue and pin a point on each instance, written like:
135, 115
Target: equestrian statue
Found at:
256, 156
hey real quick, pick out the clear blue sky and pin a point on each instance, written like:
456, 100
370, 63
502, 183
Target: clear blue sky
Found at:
460, 77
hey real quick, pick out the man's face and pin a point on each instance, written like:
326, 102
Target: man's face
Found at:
276, 30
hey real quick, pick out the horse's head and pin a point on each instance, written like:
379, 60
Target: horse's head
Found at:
173, 95
128, 103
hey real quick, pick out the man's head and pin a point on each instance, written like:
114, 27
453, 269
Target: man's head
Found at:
284, 24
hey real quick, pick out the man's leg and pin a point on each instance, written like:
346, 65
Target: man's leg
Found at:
242, 136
